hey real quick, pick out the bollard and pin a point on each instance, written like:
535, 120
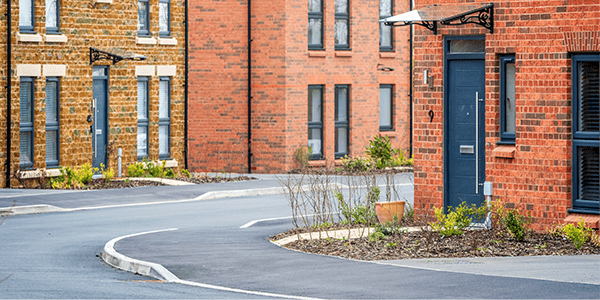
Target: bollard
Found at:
119, 154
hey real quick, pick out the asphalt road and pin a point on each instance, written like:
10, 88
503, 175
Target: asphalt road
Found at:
54, 255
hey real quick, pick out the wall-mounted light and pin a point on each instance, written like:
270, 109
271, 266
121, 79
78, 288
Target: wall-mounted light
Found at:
424, 76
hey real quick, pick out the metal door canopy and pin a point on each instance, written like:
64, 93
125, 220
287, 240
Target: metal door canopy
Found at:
429, 16
114, 54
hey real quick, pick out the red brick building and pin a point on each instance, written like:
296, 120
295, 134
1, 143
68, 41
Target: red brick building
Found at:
513, 102
326, 53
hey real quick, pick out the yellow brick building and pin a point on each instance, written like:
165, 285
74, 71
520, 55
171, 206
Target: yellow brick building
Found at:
87, 78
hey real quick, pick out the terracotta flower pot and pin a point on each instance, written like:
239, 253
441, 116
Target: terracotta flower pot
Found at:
387, 210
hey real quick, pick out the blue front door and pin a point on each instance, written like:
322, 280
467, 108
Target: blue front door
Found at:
100, 117
465, 133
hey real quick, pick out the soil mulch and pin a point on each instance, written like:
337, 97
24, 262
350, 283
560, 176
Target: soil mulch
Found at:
429, 244
100, 183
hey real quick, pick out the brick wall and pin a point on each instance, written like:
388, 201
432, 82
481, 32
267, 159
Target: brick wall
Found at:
537, 177
88, 25
282, 69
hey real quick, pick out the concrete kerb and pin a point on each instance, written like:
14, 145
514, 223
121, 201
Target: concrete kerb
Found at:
119, 261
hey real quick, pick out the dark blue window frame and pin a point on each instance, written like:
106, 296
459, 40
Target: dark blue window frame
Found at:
382, 15
162, 122
168, 32
144, 30
389, 127
506, 137
29, 29
343, 16
145, 122
53, 125
26, 85
317, 16
316, 125
585, 176
342, 123
55, 29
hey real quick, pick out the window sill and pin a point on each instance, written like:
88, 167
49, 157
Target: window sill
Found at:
145, 40
387, 54
343, 54
591, 221
29, 37
317, 163
316, 53
169, 163
55, 38
504, 151
169, 41
103, 1
53, 171
28, 174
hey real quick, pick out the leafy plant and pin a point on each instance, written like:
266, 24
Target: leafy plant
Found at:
457, 219
516, 223
136, 169
303, 155
399, 159
107, 173
391, 245
169, 173
578, 234
155, 170
595, 239
359, 214
186, 173
380, 151
376, 236
73, 178
357, 164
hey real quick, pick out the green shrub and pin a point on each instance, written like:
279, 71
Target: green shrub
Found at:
136, 169
380, 151
359, 214
155, 170
169, 173
186, 173
516, 223
578, 234
357, 164
85, 173
399, 159
457, 219
73, 178
107, 173
303, 155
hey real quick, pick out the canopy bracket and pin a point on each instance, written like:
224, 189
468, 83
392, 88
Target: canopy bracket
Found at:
115, 55
484, 18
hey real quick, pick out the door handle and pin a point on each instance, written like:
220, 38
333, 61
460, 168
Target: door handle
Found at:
476, 142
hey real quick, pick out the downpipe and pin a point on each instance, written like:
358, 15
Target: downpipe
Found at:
8, 90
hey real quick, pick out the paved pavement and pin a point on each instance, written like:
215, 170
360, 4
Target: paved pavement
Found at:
242, 260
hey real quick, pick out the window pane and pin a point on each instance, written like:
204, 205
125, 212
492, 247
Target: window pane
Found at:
385, 8
25, 147
341, 140
385, 35
163, 100
51, 146
51, 101
97, 71
509, 102
142, 141
314, 5
314, 105
314, 140
26, 94
142, 108
385, 104
142, 15
467, 46
25, 13
341, 32
163, 140
51, 13
589, 95
163, 17
341, 6
589, 176
341, 108
314, 31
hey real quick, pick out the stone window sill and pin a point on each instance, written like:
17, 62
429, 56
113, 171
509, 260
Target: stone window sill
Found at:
343, 54
387, 55
504, 151
55, 38
167, 41
145, 40
103, 1
29, 37
317, 54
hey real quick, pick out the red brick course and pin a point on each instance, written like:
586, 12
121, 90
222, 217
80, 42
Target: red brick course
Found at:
541, 34
282, 69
